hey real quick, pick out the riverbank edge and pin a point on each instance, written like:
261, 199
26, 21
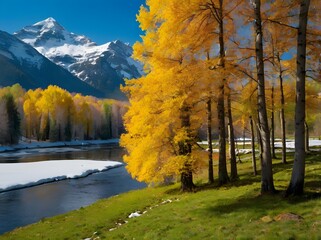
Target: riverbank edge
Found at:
59, 178
23, 145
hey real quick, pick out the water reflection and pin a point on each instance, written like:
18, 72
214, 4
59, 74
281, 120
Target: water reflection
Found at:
98, 152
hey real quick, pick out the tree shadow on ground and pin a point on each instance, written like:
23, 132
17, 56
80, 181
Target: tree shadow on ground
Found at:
312, 186
255, 203
259, 204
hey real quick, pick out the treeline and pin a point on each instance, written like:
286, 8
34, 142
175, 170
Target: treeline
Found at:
56, 115
222, 65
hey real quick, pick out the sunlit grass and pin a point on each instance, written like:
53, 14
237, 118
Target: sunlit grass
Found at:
233, 211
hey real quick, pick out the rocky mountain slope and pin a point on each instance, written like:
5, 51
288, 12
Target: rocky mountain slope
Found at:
21, 63
101, 66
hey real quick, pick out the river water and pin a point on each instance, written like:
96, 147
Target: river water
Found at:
29, 205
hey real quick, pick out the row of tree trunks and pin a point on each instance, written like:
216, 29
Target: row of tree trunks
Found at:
233, 162
267, 149
232, 153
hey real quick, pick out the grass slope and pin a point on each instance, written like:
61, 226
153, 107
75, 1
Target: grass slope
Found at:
235, 211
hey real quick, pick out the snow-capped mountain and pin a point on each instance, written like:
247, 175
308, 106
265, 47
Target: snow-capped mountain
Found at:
102, 66
21, 63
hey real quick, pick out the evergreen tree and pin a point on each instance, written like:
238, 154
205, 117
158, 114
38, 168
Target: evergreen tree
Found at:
106, 125
68, 128
13, 123
3, 121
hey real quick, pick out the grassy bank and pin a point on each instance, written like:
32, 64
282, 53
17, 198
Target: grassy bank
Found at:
235, 211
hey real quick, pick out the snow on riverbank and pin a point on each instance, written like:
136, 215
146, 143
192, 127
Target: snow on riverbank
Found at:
290, 144
35, 144
20, 175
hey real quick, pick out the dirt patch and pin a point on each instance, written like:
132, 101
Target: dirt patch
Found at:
288, 217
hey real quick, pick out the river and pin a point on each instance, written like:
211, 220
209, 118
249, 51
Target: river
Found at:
29, 205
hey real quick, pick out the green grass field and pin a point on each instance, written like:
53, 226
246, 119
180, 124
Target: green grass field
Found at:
234, 211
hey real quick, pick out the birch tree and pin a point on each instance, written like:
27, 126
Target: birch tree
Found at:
297, 178
267, 184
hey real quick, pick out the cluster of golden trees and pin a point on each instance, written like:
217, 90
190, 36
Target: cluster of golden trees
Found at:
56, 115
247, 58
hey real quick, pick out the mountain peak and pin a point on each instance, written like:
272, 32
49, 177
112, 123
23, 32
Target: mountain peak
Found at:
48, 20
48, 24
50, 33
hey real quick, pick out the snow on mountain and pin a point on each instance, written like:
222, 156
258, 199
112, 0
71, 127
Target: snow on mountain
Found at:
21, 63
51, 34
102, 66
13, 49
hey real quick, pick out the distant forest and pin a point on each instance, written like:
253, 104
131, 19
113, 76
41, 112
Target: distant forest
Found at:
54, 114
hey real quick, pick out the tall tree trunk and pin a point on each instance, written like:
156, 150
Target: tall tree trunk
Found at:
307, 147
259, 141
238, 152
222, 170
297, 179
185, 149
253, 147
187, 184
244, 137
283, 130
272, 124
231, 138
267, 184
282, 115
209, 140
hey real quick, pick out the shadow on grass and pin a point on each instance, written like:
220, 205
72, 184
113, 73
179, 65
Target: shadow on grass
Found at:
261, 205
258, 203
312, 187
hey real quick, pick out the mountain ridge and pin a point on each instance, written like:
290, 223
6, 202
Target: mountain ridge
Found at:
102, 66
21, 63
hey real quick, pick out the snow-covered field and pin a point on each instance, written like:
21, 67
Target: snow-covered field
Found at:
290, 144
20, 175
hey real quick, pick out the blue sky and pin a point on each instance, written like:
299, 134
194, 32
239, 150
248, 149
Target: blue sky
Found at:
100, 20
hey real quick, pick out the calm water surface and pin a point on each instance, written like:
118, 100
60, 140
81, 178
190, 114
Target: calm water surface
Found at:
29, 205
